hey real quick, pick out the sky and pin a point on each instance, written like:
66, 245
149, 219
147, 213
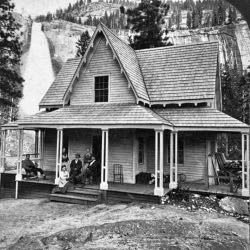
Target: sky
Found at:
39, 7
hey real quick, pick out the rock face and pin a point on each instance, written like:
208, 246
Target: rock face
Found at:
62, 37
235, 205
234, 40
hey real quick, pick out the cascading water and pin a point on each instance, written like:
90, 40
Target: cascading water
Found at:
38, 73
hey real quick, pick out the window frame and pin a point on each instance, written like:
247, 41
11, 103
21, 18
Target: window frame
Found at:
94, 90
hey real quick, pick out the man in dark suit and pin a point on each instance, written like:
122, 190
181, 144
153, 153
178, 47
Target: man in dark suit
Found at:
91, 170
75, 169
31, 167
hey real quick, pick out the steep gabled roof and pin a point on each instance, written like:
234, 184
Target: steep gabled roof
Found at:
159, 75
55, 94
184, 72
127, 57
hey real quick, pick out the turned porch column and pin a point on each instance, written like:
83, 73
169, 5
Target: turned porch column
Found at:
41, 147
20, 154
104, 165
3, 149
245, 164
159, 190
59, 146
173, 160
36, 143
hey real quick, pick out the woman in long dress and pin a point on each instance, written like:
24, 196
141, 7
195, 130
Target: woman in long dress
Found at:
63, 184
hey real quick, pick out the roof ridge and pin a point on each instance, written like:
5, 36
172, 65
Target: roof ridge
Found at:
177, 46
116, 35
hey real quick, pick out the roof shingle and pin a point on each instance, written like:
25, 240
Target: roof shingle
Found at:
96, 114
199, 117
184, 72
54, 95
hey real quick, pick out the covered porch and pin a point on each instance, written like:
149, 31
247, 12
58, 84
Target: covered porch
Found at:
175, 154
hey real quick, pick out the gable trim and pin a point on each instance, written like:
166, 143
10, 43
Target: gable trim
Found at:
68, 92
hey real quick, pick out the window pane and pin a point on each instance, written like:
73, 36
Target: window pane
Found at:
101, 88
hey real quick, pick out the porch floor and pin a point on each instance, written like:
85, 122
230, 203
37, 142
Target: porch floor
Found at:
145, 189
223, 189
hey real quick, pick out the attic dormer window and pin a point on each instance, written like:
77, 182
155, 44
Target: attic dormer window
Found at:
101, 88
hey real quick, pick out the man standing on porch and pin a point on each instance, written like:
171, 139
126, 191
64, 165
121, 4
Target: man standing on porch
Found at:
75, 169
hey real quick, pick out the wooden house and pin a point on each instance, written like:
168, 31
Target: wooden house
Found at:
153, 110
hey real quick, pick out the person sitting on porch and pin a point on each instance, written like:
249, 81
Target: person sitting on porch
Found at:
75, 169
87, 157
64, 183
31, 167
91, 171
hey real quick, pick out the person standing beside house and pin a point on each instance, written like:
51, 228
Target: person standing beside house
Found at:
75, 169
30, 167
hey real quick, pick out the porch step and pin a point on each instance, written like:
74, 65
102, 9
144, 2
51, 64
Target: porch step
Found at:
84, 193
78, 195
66, 198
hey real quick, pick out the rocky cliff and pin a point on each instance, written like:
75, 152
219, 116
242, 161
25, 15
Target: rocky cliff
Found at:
62, 37
234, 40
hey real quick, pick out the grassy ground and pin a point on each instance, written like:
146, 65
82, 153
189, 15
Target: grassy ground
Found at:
39, 224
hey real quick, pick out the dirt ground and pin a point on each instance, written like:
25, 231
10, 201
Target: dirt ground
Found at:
39, 224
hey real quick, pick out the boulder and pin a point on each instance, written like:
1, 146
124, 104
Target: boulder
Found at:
235, 205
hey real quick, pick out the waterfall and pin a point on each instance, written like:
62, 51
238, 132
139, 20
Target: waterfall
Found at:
38, 73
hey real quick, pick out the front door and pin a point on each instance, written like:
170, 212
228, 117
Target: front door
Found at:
97, 146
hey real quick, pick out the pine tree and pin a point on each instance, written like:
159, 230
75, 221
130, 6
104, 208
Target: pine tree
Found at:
82, 44
234, 92
215, 18
146, 22
189, 20
10, 53
221, 13
195, 19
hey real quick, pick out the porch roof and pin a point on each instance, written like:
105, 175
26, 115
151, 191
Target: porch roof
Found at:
201, 119
96, 114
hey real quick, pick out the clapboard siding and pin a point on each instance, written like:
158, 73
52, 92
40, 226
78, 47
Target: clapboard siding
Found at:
102, 63
121, 152
79, 140
120, 149
194, 156
50, 150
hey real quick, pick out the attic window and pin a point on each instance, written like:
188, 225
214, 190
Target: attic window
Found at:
101, 88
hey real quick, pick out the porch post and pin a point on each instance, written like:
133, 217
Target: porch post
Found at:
3, 147
105, 153
59, 154
36, 142
173, 160
245, 164
20, 153
159, 190
41, 147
